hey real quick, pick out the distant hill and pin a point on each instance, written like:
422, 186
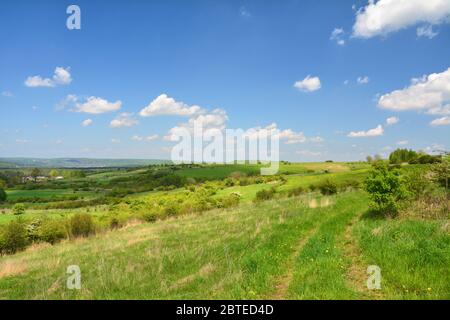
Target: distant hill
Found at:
76, 162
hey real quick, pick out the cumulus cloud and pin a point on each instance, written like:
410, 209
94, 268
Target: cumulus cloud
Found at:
426, 31
61, 76
336, 35
386, 16
392, 120
210, 122
429, 93
86, 122
95, 105
124, 120
444, 121
402, 142
363, 80
165, 105
115, 141
378, 131
309, 84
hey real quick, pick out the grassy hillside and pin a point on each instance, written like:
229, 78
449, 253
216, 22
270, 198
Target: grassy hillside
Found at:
307, 247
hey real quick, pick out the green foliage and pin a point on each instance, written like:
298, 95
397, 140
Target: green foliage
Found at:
386, 189
35, 173
13, 238
52, 231
3, 195
417, 182
425, 159
400, 156
18, 209
327, 187
296, 191
81, 225
265, 194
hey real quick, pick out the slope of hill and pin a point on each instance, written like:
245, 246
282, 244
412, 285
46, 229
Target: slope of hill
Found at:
77, 162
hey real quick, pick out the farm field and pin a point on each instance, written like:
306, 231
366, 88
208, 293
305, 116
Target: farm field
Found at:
269, 249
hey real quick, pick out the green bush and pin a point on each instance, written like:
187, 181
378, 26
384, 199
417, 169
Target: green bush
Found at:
231, 200
386, 189
296, 191
3, 195
13, 238
52, 231
327, 187
81, 225
18, 209
264, 194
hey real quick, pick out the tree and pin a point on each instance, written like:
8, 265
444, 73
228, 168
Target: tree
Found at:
35, 173
400, 156
369, 159
3, 195
54, 173
386, 189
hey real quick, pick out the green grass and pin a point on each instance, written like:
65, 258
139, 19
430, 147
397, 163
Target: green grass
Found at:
414, 256
46, 194
238, 254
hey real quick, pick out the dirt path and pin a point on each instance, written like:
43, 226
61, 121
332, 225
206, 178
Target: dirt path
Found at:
357, 272
282, 282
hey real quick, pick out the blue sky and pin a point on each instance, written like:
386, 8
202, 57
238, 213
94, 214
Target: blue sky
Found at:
243, 57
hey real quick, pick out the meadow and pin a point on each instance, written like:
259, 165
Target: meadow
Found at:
228, 233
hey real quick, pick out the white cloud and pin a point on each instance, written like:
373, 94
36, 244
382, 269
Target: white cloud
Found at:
68, 100
124, 120
211, 121
7, 94
309, 84
22, 141
429, 93
164, 105
59, 141
115, 141
308, 153
363, 80
444, 121
402, 142
61, 76
392, 120
386, 16
140, 138
378, 131
96, 105
86, 122
336, 35
426, 31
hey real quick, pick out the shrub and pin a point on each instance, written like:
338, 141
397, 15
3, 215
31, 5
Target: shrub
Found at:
231, 200
81, 225
18, 209
327, 187
13, 238
264, 194
386, 189
52, 231
3, 195
296, 191
417, 183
